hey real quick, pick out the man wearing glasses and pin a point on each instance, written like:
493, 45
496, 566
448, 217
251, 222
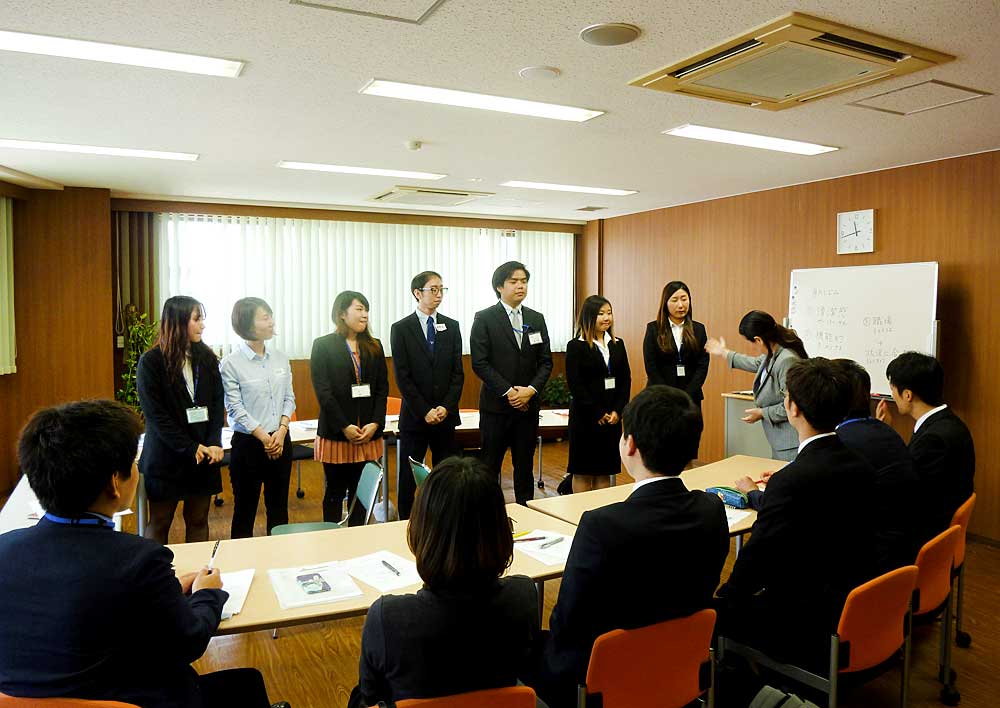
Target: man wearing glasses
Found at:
427, 359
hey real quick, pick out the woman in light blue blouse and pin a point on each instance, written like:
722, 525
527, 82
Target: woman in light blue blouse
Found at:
260, 401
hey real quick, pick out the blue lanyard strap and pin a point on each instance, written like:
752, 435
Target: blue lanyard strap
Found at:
94, 520
355, 359
853, 420
195, 386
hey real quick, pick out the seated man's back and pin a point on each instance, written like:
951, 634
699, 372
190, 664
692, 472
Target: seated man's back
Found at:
944, 458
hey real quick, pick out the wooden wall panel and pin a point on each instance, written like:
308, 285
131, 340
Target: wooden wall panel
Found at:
62, 291
736, 255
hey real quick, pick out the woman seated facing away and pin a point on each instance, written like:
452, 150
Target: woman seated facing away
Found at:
467, 629
91, 613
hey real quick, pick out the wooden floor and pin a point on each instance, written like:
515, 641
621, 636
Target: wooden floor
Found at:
315, 666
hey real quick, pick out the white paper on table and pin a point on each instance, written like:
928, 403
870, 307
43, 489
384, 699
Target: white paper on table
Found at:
371, 571
312, 585
309, 425
392, 418
237, 584
734, 516
553, 555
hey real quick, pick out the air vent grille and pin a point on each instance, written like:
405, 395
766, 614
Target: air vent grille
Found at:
426, 196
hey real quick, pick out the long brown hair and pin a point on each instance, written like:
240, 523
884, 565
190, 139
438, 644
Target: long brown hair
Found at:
586, 322
367, 344
758, 323
173, 340
664, 338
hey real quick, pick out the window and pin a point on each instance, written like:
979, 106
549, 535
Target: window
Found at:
298, 266
8, 345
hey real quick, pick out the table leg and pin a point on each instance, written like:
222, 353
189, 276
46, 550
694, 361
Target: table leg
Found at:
385, 478
541, 484
140, 506
540, 591
739, 543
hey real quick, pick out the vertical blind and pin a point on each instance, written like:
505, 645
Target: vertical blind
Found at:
8, 345
298, 266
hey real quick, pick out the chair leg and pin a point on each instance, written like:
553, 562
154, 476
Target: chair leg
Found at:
904, 688
581, 696
834, 669
711, 678
962, 639
949, 695
540, 593
299, 491
274, 633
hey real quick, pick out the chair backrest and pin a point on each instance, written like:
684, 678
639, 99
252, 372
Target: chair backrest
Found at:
873, 619
935, 562
371, 478
11, 702
511, 697
961, 519
304, 527
393, 405
420, 471
659, 665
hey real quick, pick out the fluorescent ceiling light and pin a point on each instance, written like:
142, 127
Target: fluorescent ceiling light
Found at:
570, 188
347, 169
733, 137
117, 54
96, 150
465, 99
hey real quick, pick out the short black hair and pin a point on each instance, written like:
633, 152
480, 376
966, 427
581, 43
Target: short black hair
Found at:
459, 532
244, 314
821, 390
70, 452
922, 374
505, 271
860, 384
420, 279
666, 426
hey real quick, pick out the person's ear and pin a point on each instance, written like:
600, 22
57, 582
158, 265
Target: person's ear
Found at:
628, 444
114, 487
791, 408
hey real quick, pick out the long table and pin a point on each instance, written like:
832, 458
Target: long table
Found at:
261, 609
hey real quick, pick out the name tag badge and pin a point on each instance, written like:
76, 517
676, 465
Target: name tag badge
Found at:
440, 326
680, 369
609, 383
361, 391
534, 338
198, 414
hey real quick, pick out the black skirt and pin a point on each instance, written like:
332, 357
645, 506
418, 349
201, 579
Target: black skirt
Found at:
593, 448
201, 481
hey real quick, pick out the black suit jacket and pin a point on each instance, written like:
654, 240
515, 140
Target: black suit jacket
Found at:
429, 644
72, 599
585, 374
427, 380
814, 538
333, 374
896, 488
501, 364
661, 366
171, 442
655, 556
945, 461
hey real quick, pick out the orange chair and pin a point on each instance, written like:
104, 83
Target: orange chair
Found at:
874, 625
512, 697
936, 562
11, 702
961, 519
668, 664
393, 405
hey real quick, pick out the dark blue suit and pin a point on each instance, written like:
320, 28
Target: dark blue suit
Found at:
91, 613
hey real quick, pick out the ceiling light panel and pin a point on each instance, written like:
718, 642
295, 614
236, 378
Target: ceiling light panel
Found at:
118, 54
351, 170
96, 150
482, 101
569, 188
733, 137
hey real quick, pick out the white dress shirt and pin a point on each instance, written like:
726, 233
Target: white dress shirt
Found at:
928, 414
805, 442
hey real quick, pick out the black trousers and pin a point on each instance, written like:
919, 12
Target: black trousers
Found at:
342, 480
234, 688
249, 469
414, 443
519, 432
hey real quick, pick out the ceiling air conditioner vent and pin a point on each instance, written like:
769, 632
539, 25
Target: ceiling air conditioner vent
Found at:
790, 61
427, 196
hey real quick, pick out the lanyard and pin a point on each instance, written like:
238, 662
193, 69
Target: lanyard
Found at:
852, 420
195, 387
355, 359
96, 520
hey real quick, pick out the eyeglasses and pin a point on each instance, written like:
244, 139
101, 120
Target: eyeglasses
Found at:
434, 290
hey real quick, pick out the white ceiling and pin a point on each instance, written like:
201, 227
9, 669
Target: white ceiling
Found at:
298, 99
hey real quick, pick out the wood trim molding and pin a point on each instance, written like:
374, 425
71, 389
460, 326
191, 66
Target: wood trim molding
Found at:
163, 206
14, 191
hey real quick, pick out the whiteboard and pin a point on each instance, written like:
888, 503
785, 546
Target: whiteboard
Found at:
866, 313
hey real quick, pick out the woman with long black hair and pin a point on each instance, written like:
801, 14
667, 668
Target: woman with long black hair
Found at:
180, 393
674, 346
776, 348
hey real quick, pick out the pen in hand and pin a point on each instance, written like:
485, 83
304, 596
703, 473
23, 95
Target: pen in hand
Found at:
387, 565
215, 549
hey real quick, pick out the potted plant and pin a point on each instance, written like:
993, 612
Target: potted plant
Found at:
555, 393
139, 336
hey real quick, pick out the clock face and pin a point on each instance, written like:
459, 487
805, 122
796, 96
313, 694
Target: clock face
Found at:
856, 231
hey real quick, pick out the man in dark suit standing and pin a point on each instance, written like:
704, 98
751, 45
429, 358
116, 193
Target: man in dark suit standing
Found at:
806, 550
427, 359
511, 354
943, 453
653, 557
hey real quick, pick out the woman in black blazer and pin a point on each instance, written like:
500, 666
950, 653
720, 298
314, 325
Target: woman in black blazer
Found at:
352, 384
674, 346
600, 382
180, 393
468, 628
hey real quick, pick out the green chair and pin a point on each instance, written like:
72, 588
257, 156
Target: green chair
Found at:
420, 471
371, 478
